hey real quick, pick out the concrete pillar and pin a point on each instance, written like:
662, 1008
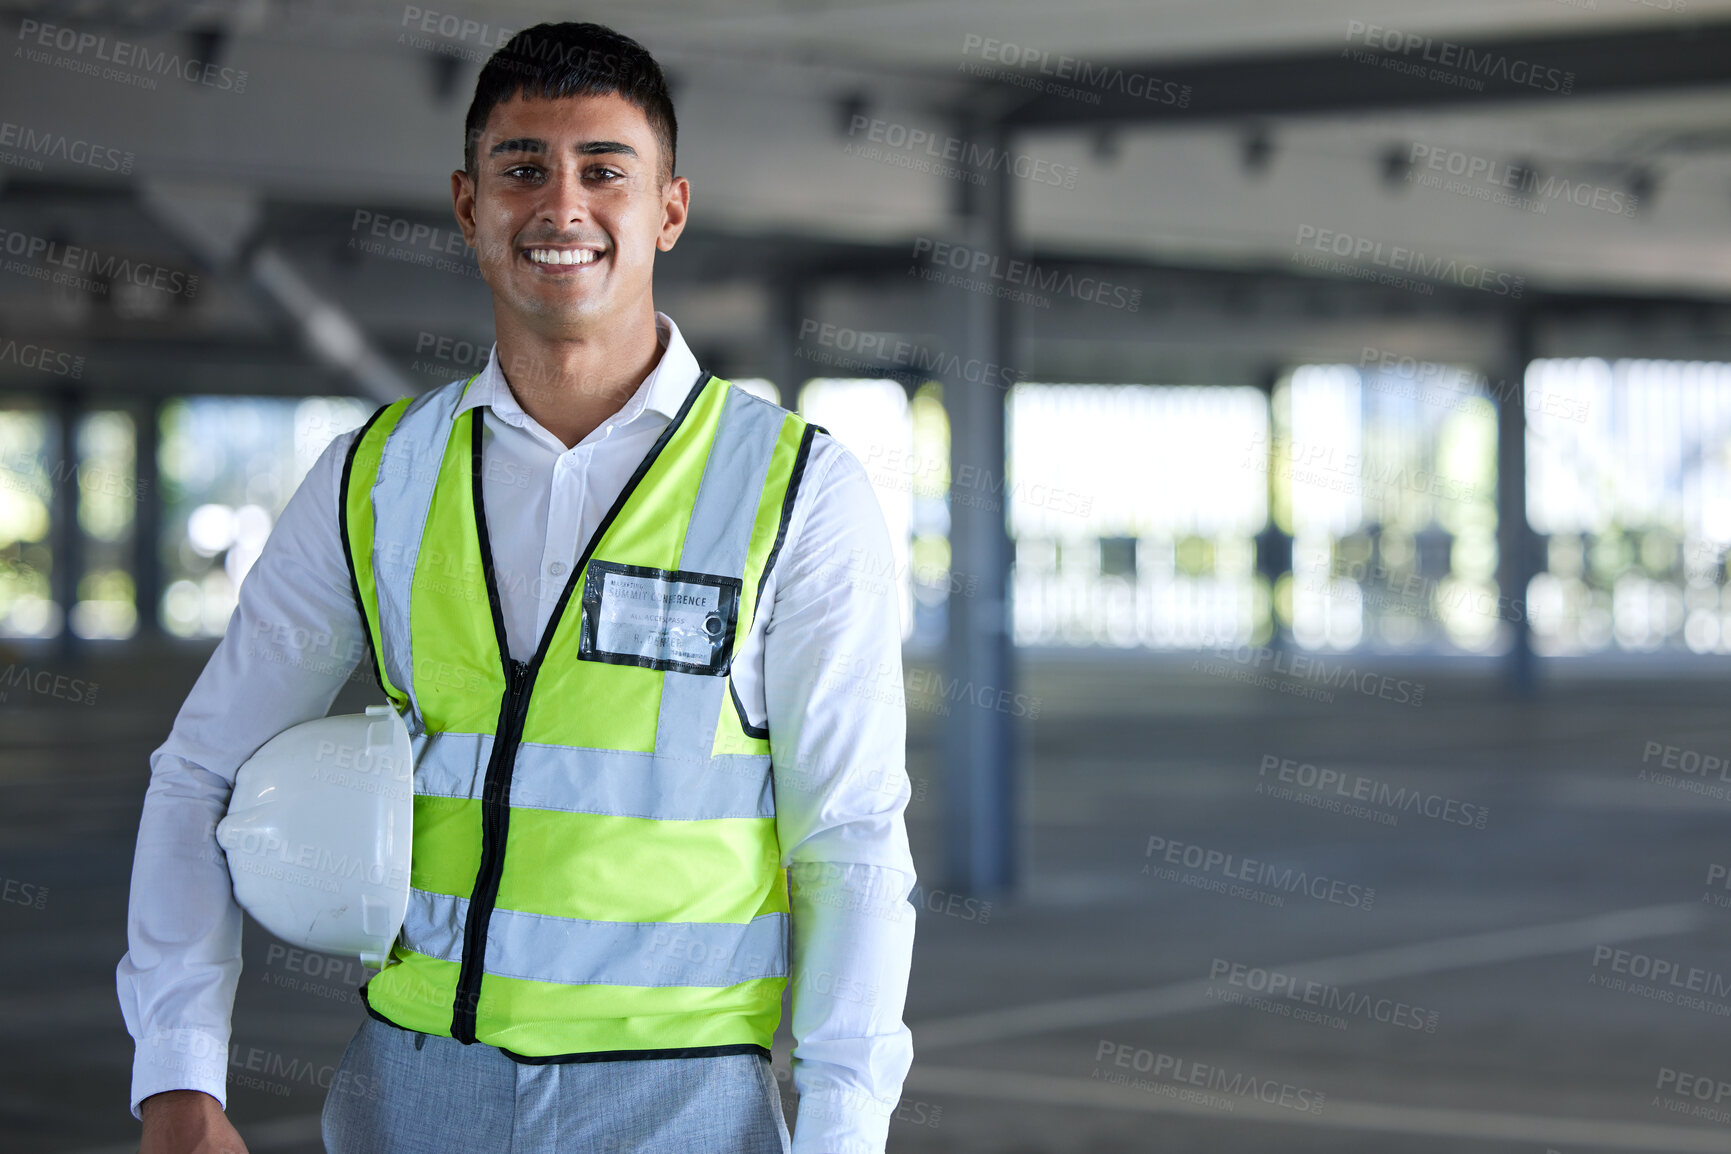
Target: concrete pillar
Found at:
782, 364
1517, 557
1273, 544
146, 561
979, 740
65, 535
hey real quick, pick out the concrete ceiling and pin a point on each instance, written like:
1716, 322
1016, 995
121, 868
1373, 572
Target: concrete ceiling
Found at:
353, 109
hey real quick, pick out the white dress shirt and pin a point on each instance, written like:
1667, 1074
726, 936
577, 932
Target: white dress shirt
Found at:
822, 665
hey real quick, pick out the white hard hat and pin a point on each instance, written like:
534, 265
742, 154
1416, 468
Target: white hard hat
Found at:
318, 833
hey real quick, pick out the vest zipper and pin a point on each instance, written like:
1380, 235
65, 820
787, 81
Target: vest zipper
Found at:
495, 825
513, 710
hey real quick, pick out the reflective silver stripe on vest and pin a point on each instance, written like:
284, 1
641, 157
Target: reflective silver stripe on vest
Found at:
402, 495
573, 951
718, 540
618, 783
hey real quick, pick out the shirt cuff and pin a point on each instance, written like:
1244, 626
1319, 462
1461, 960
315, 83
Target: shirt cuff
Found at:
835, 1121
180, 1060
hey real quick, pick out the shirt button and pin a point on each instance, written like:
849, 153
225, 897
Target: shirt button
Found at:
557, 568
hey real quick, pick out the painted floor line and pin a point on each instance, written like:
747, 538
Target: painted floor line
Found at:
1426, 1121
1483, 949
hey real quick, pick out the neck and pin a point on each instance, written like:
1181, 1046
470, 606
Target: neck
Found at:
572, 384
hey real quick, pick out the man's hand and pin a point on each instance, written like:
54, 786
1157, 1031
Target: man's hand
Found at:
187, 1122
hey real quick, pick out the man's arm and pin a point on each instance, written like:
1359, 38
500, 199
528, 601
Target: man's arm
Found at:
291, 643
837, 724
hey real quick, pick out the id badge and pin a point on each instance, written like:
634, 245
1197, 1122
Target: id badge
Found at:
658, 618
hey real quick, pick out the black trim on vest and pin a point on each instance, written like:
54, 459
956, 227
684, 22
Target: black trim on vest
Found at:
591, 1056
761, 732
348, 551
638, 1055
513, 710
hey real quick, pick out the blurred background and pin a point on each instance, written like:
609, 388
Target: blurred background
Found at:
1305, 431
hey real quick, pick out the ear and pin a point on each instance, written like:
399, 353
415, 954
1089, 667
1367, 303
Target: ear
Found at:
463, 204
675, 208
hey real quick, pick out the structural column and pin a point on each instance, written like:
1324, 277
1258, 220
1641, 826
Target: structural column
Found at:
66, 535
979, 740
1517, 555
1273, 544
782, 362
147, 522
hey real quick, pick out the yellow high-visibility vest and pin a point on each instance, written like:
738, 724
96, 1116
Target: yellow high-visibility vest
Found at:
595, 871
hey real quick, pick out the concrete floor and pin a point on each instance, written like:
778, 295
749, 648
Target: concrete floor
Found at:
1081, 1016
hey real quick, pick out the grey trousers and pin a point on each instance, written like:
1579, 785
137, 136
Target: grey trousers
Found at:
392, 1096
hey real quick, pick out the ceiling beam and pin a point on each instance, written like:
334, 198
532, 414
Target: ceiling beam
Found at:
1374, 68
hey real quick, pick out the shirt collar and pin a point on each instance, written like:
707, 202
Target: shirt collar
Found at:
664, 390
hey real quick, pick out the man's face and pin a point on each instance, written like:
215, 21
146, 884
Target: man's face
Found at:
565, 211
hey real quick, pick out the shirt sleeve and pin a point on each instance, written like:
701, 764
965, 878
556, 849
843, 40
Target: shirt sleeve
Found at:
294, 639
837, 725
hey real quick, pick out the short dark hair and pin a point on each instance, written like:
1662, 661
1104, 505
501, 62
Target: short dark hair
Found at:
550, 61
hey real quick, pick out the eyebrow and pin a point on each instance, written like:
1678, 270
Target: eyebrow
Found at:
537, 146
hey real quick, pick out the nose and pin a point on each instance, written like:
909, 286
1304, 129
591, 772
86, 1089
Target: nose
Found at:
564, 200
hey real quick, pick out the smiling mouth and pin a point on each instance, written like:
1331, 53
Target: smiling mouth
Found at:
562, 256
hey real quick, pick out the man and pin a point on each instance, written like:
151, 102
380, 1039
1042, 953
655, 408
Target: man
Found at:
615, 821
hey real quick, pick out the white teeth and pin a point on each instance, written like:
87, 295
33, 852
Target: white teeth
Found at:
563, 255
